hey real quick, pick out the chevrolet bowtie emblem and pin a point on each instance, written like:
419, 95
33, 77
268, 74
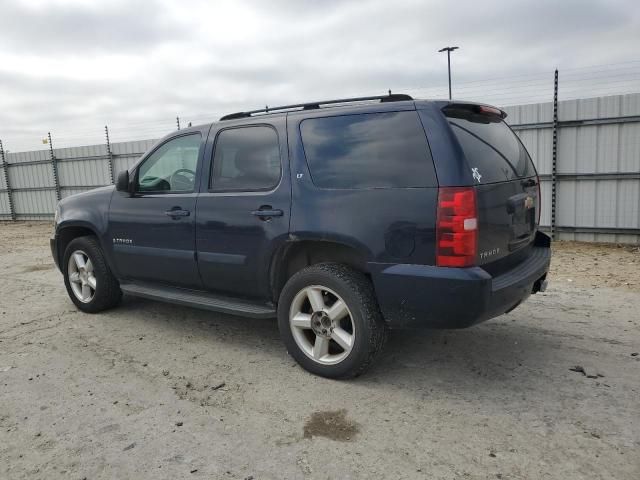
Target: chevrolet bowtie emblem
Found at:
528, 202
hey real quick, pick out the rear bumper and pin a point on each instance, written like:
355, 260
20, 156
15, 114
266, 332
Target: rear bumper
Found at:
437, 297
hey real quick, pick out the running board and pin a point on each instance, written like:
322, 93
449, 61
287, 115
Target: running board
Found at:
197, 299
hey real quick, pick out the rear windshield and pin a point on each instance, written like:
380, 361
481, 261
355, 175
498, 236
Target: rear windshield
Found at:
492, 148
372, 150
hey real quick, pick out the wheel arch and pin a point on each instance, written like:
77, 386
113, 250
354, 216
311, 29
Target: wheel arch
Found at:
67, 232
297, 254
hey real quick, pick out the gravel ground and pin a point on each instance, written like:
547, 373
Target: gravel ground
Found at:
151, 390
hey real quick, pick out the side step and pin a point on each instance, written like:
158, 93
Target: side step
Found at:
197, 299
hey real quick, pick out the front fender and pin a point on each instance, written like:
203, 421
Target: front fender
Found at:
88, 211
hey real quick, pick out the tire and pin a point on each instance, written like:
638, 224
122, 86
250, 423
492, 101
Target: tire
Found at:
311, 326
95, 278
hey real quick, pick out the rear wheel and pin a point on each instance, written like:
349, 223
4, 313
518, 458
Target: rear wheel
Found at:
89, 281
329, 320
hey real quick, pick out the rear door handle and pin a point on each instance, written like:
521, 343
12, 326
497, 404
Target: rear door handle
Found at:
177, 212
266, 213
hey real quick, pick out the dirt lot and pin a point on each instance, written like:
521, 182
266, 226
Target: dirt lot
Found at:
155, 391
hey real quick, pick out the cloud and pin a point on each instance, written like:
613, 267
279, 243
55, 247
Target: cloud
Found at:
81, 28
71, 66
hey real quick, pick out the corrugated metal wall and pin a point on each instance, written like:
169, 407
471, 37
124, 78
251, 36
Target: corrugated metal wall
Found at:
33, 187
598, 165
126, 153
5, 207
598, 168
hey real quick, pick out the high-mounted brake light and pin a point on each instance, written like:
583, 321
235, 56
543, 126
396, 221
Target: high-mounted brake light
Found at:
457, 227
474, 112
491, 110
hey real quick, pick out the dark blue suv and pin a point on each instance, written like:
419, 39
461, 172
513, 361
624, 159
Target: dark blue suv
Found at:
342, 218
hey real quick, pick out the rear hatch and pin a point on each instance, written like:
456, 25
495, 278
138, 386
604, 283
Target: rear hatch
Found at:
506, 184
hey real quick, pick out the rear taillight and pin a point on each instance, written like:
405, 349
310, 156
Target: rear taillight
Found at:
457, 227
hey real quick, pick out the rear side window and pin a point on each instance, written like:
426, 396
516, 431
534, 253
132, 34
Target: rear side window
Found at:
246, 159
492, 148
372, 150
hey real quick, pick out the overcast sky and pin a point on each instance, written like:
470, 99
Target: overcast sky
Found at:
72, 66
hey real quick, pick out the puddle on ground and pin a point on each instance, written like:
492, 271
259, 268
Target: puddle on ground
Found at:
332, 424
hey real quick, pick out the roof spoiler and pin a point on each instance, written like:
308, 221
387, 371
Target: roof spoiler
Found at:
473, 108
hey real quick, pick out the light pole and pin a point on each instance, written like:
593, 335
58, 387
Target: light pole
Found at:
448, 50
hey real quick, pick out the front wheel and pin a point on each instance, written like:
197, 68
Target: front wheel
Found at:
89, 281
330, 321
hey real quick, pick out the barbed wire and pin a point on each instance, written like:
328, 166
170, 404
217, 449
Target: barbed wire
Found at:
507, 90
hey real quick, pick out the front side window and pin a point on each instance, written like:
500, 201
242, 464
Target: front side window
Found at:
372, 150
246, 159
172, 167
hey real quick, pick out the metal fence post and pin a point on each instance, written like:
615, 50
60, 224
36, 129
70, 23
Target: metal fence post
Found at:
554, 158
5, 169
54, 167
109, 155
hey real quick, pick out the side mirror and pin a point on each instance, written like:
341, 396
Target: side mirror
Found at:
122, 183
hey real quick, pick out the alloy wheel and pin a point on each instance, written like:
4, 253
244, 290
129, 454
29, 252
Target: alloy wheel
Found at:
322, 325
81, 276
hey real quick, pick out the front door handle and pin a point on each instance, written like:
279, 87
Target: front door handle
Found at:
266, 212
177, 212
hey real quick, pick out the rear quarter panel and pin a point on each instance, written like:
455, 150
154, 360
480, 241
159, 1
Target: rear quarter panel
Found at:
388, 225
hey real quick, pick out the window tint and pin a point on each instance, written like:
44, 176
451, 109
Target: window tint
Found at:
172, 167
373, 150
246, 158
492, 148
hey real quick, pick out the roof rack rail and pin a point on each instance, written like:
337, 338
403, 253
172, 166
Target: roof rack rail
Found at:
391, 97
